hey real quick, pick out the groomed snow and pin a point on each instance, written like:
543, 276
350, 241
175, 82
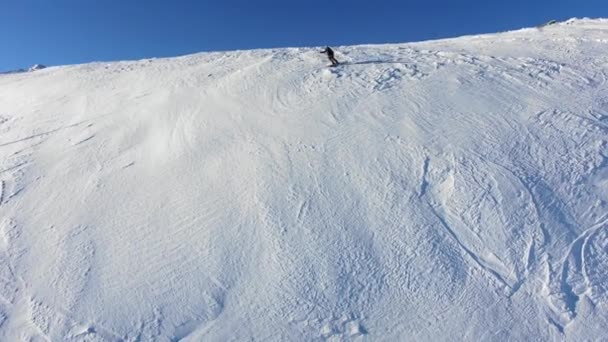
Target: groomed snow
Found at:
440, 191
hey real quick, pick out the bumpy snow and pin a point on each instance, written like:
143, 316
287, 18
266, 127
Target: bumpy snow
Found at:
440, 191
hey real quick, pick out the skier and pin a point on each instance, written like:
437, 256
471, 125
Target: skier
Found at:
330, 55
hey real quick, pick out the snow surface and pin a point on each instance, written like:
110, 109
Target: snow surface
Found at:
439, 191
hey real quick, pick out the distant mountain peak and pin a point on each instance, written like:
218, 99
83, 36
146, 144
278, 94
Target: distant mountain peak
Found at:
36, 67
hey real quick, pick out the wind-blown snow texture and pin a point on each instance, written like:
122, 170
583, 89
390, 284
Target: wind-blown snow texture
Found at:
445, 190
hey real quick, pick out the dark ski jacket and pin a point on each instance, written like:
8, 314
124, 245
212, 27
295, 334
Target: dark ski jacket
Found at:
328, 51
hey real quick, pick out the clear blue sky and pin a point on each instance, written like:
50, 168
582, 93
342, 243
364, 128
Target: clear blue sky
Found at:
56, 32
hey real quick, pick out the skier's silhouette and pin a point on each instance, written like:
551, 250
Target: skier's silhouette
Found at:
330, 55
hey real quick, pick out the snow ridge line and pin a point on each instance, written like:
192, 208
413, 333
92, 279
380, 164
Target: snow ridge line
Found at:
577, 251
479, 261
2, 189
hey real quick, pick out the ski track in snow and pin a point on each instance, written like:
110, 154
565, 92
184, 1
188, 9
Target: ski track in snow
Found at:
452, 189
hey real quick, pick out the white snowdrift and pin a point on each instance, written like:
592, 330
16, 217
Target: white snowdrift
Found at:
446, 190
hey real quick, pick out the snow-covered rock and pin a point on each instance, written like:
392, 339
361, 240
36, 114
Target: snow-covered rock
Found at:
436, 191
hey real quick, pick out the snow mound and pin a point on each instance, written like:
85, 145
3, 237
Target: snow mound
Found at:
444, 190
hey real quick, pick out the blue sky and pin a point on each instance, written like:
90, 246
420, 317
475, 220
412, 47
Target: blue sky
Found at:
55, 32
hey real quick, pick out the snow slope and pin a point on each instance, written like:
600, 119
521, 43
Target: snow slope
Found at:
437, 191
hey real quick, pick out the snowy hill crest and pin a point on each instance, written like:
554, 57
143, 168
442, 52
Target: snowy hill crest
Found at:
429, 191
